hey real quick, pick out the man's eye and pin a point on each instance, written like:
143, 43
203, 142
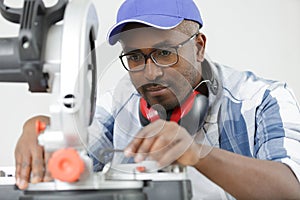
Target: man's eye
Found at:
135, 57
164, 53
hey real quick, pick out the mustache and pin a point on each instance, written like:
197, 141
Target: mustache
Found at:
155, 85
163, 84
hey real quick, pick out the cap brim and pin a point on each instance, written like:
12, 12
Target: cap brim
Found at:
157, 21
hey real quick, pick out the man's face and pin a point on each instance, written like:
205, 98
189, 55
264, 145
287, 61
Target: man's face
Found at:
166, 86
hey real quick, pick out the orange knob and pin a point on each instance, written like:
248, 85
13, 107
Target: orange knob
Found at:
39, 126
141, 168
66, 165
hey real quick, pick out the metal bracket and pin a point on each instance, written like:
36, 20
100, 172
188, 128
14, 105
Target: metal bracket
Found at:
25, 62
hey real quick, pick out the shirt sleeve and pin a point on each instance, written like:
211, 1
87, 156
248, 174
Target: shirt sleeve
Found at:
101, 131
277, 135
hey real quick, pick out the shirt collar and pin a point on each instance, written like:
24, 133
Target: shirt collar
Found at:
210, 72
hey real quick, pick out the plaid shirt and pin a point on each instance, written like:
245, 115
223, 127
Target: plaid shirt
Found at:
247, 115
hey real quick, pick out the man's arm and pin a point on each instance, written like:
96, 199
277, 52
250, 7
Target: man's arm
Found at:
243, 177
276, 146
249, 178
30, 158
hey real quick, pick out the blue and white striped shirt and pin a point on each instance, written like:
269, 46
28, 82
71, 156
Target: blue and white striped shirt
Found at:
247, 115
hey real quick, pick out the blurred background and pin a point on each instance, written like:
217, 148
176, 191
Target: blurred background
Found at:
257, 35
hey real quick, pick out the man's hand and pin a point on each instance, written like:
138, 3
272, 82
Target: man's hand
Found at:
164, 142
30, 157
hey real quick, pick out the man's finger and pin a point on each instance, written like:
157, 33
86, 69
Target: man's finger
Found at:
166, 142
133, 146
144, 149
38, 167
150, 131
25, 173
170, 156
161, 147
18, 161
47, 175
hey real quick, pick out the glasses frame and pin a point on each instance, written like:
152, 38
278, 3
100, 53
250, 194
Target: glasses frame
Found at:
149, 55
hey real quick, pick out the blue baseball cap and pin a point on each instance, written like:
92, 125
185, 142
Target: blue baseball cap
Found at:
161, 14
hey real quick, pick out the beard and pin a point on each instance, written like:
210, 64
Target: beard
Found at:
169, 100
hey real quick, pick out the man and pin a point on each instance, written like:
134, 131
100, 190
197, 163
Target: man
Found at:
248, 143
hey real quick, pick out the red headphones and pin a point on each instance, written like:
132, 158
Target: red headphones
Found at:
190, 114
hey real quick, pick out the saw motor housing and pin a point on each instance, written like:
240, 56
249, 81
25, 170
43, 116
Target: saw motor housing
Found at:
55, 53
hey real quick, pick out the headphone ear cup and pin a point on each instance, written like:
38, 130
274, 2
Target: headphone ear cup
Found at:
147, 114
194, 119
190, 115
184, 109
144, 121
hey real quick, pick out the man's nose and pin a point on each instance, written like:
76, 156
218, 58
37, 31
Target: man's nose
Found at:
152, 71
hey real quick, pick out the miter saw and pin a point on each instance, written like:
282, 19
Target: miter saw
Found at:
55, 52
